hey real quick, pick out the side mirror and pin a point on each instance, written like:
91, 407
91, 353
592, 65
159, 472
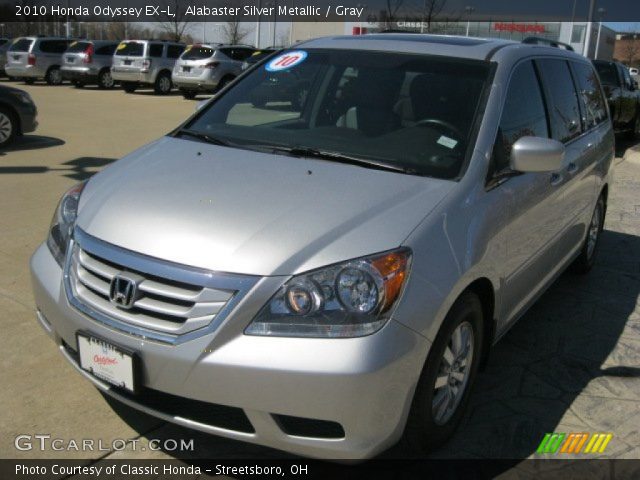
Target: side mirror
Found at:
535, 154
201, 104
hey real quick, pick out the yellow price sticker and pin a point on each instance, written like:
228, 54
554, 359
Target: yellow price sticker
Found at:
121, 46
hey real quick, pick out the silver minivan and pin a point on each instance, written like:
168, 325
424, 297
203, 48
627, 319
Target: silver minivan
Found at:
33, 58
89, 61
326, 276
208, 68
145, 63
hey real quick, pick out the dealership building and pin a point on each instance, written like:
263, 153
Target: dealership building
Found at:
596, 42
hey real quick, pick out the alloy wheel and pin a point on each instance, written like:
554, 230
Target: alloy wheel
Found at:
453, 373
107, 80
594, 230
165, 84
6, 128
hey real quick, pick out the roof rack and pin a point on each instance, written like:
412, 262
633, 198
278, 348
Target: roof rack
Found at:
547, 42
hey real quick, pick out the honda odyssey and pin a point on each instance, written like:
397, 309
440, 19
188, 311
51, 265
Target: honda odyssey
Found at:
324, 276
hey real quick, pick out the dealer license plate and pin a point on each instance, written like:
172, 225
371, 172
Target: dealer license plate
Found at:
107, 362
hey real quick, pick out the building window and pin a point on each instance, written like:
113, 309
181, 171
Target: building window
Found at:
577, 35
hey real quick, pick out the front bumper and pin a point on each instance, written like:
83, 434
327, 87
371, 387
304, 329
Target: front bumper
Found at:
363, 384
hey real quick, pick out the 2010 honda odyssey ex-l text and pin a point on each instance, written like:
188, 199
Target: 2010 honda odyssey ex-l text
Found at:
326, 276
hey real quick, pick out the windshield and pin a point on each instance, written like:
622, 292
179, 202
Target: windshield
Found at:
130, 49
197, 53
409, 111
78, 47
21, 45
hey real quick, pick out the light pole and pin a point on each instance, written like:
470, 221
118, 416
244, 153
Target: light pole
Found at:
601, 12
587, 41
469, 9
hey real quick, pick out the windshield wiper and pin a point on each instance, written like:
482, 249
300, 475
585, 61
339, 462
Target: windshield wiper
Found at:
204, 137
342, 158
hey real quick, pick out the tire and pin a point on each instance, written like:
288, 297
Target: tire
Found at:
189, 94
129, 87
8, 127
584, 263
53, 76
163, 85
431, 423
29, 81
105, 80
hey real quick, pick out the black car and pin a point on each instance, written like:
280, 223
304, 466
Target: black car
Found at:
17, 114
623, 96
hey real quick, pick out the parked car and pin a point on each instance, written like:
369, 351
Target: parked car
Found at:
322, 280
89, 61
259, 55
18, 114
5, 43
208, 68
34, 58
145, 62
622, 95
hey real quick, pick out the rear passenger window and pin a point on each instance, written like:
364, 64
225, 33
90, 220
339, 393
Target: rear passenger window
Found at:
562, 99
155, 50
106, 49
174, 51
53, 46
593, 106
523, 114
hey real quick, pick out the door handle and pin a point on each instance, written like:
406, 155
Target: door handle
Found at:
572, 168
556, 179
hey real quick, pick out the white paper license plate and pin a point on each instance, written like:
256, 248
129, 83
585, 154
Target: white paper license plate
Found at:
107, 362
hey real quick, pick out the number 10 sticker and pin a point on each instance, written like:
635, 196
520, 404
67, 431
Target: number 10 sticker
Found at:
286, 60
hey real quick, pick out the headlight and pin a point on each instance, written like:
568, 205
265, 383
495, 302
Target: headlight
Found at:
63, 222
24, 97
350, 299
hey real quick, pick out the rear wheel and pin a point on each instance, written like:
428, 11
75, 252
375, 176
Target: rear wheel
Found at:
445, 383
129, 87
584, 263
105, 80
53, 76
8, 127
163, 84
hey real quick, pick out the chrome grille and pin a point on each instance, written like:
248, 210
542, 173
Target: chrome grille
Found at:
165, 304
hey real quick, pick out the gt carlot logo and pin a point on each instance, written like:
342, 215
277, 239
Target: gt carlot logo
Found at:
574, 443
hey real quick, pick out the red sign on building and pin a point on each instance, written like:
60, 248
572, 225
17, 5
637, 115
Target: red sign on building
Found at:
518, 27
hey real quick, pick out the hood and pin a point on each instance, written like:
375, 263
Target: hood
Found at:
231, 210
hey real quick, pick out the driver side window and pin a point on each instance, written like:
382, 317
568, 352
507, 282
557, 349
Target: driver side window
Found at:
523, 114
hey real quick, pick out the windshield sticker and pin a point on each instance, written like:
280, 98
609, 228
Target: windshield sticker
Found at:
286, 60
121, 46
447, 142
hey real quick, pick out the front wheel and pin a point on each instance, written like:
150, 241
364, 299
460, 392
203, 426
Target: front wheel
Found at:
53, 76
447, 377
584, 263
163, 84
105, 80
8, 127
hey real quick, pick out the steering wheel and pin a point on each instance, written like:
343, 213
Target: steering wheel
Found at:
440, 123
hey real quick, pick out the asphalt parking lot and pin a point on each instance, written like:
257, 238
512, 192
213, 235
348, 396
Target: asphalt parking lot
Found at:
570, 365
